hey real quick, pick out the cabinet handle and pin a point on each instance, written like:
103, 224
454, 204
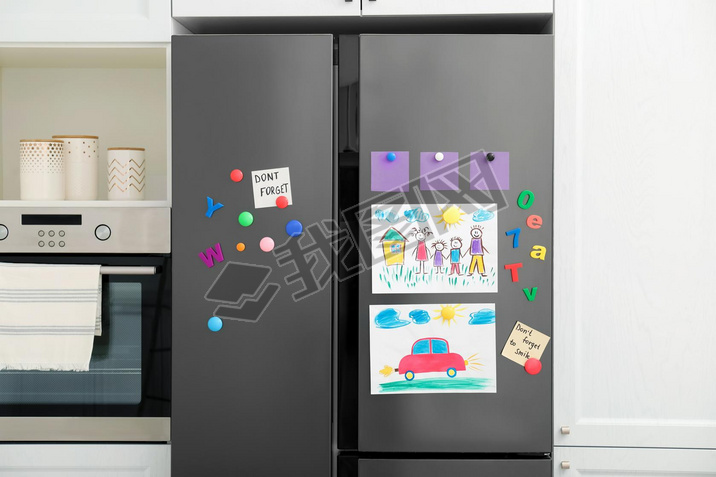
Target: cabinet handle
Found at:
565, 464
565, 430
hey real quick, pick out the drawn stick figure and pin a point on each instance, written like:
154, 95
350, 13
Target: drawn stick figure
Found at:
477, 251
438, 257
422, 254
455, 255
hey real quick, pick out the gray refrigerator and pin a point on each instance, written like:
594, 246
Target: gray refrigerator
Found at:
361, 224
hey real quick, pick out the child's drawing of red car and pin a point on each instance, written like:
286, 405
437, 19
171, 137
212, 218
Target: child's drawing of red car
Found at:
431, 355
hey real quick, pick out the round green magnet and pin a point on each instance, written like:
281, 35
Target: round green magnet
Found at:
246, 219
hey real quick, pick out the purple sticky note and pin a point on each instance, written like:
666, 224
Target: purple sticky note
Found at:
388, 175
489, 175
439, 174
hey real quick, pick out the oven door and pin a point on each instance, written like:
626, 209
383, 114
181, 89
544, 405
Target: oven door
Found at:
126, 395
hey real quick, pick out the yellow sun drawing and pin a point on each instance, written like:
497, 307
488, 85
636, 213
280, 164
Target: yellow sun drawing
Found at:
450, 216
448, 313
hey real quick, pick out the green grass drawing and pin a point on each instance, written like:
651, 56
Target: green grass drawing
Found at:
452, 384
410, 278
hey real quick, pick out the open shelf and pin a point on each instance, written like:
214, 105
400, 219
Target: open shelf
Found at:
119, 93
84, 203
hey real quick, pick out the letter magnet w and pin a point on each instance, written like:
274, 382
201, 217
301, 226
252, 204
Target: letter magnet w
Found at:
212, 255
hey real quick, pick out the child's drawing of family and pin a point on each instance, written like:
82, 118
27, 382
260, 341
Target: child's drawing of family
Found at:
441, 256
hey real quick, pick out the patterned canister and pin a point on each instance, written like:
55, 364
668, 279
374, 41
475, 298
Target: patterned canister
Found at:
42, 169
125, 173
81, 155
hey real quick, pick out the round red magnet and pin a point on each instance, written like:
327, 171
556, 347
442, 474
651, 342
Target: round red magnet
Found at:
533, 366
237, 175
281, 202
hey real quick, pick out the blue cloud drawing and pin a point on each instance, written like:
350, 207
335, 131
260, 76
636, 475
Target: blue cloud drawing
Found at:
419, 317
416, 215
482, 215
386, 215
486, 316
389, 318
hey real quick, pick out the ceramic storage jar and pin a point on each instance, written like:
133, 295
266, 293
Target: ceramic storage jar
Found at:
42, 169
125, 173
81, 157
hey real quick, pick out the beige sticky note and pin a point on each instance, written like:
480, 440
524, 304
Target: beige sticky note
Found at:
524, 343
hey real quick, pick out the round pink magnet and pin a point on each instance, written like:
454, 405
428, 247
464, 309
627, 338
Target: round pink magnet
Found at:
533, 366
266, 244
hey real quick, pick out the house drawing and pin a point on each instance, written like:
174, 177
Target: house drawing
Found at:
393, 247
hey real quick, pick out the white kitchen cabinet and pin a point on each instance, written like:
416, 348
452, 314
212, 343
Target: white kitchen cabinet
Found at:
455, 7
596, 462
634, 224
87, 460
264, 8
85, 20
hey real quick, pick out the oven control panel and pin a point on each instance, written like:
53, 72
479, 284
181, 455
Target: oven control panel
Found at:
86, 230
53, 238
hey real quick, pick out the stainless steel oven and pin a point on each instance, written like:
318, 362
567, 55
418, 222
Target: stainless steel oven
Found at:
126, 394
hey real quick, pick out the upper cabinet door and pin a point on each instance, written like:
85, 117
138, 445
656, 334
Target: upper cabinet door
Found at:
634, 223
85, 21
265, 8
454, 7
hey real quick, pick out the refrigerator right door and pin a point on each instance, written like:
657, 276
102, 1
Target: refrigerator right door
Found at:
456, 220
356, 467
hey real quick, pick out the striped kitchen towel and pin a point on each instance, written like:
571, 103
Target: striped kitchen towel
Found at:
48, 316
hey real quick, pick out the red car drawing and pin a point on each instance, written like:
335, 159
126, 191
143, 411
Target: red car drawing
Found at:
431, 355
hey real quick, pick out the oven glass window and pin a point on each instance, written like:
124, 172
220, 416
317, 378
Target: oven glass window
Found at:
115, 374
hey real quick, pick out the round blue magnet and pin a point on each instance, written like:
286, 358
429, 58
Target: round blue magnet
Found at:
391, 156
215, 323
294, 228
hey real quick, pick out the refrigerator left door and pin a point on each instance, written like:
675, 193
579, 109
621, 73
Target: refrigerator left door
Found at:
252, 397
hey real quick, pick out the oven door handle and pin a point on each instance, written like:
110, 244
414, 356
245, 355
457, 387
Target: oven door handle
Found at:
106, 270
